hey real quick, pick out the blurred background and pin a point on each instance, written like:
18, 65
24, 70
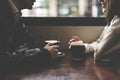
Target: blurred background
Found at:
64, 8
61, 19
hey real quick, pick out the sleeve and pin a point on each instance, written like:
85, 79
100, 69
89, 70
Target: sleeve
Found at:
24, 52
91, 48
109, 47
21, 47
25, 56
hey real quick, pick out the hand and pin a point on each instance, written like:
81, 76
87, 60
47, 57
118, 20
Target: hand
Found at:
74, 39
53, 49
76, 43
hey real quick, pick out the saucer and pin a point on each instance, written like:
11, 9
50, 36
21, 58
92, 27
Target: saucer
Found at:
61, 54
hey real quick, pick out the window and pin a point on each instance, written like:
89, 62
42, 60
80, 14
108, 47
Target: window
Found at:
64, 8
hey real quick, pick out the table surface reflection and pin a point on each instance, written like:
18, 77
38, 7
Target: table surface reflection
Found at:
68, 69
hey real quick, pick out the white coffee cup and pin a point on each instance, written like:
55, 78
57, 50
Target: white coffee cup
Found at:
54, 42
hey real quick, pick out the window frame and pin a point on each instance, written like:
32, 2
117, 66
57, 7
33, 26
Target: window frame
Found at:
65, 21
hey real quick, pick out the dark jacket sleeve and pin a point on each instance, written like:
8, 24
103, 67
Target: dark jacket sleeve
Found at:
26, 56
16, 47
21, 46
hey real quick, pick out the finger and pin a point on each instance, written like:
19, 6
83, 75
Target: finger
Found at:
49, 44
75, 37
72, 40
69, 47
56, 46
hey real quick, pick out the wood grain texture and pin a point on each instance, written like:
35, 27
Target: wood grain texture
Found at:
69, 70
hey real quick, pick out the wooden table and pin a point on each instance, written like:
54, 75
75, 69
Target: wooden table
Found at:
67, 69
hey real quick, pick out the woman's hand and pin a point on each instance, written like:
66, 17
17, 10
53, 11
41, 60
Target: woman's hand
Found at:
74, 39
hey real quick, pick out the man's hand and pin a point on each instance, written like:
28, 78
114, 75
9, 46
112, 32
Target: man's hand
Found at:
53, 49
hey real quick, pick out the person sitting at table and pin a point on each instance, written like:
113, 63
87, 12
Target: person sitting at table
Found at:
107, 47
16, 46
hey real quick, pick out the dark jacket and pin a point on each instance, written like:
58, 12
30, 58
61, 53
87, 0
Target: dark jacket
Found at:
16, 46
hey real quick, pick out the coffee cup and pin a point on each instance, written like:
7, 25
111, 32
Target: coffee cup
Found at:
78, 52
53, 42
56, 42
